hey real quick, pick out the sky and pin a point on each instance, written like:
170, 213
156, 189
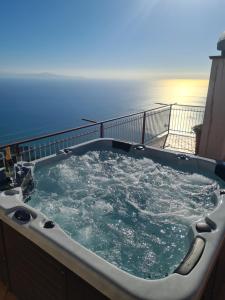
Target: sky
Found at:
110, 38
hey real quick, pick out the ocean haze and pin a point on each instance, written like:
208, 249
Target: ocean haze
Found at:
42, 104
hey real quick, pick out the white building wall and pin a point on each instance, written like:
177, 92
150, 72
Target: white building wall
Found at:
212, 144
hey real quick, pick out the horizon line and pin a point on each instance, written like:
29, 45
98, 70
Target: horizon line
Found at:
113, 74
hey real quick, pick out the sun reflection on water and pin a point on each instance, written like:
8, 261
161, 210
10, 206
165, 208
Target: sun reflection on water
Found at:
182, 91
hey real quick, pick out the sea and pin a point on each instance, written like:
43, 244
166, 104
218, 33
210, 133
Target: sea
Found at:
35, 106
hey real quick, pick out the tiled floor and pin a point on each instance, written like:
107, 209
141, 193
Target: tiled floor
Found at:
180, 143
5, 294
175, 142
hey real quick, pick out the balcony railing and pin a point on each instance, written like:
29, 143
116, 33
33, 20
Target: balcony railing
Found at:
168, 126
183, 119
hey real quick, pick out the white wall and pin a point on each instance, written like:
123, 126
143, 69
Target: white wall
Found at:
212, 144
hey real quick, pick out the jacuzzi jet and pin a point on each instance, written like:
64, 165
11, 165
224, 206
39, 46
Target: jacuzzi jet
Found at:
183, 157
67, 151
22, 215
140, 147
49, 224
64, 151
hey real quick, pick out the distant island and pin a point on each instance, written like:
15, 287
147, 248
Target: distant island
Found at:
41, 75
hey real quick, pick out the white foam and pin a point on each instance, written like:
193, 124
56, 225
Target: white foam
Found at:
133, 212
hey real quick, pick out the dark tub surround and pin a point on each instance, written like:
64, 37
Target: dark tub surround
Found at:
31, 273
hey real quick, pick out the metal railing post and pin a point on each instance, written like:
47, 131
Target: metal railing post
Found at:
102, 130
165, 141
171, 107
143, 128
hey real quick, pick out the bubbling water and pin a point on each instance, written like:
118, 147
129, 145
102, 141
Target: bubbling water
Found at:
135, 213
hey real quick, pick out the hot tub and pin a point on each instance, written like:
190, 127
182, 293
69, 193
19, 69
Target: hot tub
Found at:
109, 219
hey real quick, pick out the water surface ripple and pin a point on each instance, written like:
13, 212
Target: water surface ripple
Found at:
135, 213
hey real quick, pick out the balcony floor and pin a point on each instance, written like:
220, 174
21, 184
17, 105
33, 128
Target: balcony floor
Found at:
175, 142
180, 143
